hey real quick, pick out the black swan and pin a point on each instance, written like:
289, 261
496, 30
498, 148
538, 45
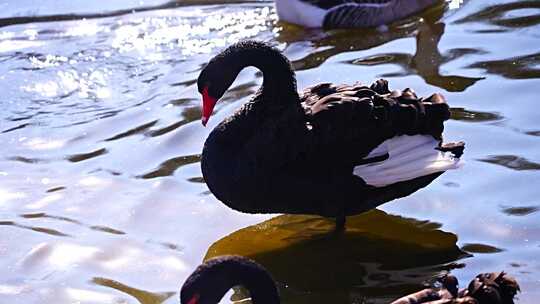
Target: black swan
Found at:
335, 150
348, 13
211, 280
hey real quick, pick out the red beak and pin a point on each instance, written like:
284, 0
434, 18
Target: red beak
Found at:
195, 299
208, 106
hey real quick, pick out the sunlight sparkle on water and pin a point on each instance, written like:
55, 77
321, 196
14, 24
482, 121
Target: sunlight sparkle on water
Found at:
91, 296
67, 254
119, 262
59, 255
48, 61
12, 45
455, 4
175, 263
39, 143
6, 35
93, 181
6, 195
45, 89
10, 289
92, 84
83, 28
31, 33
101, 191
193, 38
44, 201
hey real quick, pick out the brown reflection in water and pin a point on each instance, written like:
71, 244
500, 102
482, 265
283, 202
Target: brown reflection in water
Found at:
240, 91
166, 129
144, 297
59, 188
512, 162
37, 229
168, 245
197, 179
520, 211
474, 116
21, 126
521, 67
74, 158
380, 256
426, 61
480, 248
133, 131
42, 215
107, 229
168, 167
189, 113
533, 133
496, 15
85, 156
28, 160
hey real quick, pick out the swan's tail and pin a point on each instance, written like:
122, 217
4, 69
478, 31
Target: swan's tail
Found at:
408, 157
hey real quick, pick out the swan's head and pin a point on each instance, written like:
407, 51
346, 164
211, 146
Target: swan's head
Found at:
215, 79
211, 280
206, 285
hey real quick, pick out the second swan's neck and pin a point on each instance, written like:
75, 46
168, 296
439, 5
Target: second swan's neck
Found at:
215, 277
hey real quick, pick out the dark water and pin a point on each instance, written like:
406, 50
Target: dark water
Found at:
101, 195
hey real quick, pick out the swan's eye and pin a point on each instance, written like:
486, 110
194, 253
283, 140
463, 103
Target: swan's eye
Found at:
194, 299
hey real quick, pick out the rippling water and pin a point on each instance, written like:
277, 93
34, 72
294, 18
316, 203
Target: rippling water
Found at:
101, 195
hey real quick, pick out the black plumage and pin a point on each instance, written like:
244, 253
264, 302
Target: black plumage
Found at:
282, 152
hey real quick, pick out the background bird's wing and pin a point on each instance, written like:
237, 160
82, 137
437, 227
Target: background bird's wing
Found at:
358, 14
328, 4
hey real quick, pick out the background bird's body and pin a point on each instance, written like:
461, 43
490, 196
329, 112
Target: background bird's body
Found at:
348, 13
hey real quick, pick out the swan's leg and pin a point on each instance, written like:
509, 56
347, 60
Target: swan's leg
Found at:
340, 222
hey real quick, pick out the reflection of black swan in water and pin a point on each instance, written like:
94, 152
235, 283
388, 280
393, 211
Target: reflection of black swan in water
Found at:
211, 280
348, 13
335, 150
379, 255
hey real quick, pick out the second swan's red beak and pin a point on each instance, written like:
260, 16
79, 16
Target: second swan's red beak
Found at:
195, 299
208, 106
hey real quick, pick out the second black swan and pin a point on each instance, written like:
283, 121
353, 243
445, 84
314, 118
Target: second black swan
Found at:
334, 150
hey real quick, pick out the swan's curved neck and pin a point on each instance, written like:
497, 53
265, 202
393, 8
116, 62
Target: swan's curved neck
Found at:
279, 81
262, 288
260, 285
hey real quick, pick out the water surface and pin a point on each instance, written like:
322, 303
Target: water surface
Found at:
101, 194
